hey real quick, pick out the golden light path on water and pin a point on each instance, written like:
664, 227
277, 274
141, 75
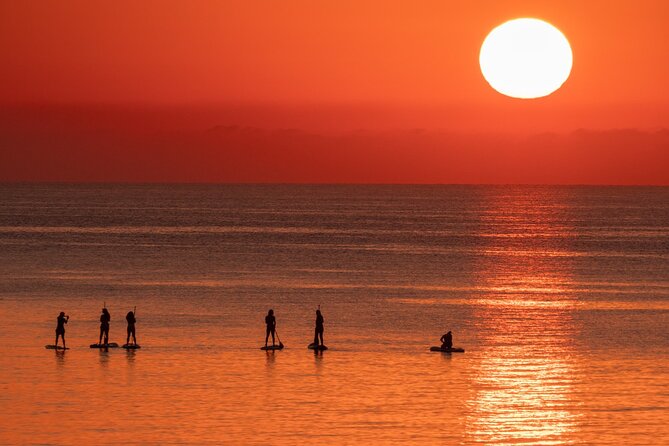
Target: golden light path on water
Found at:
524, 377
524, 393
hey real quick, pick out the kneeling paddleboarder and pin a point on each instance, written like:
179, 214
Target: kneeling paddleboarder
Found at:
447, 340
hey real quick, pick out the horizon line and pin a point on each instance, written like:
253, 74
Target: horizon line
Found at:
260, 183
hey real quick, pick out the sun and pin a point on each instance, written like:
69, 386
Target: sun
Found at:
526, 58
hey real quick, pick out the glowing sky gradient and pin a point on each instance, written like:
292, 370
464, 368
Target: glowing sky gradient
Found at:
384, 90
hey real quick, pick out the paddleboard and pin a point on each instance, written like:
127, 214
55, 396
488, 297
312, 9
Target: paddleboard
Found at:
447, 350
312, 346
131, 346
53, 347
272, 347
110, 345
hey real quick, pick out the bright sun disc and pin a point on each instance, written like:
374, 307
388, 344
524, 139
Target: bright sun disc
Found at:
525, 58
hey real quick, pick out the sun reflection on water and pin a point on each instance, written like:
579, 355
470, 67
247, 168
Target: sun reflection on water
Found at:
525, 393
524, 380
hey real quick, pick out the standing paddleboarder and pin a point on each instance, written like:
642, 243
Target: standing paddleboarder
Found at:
130, 317
105, 318
270, 321
60, 327
319, 328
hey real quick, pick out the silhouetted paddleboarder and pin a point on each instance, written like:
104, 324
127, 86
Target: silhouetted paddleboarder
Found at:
447, 340
105, 318
270, 321
60, 327
319, 329
130, 317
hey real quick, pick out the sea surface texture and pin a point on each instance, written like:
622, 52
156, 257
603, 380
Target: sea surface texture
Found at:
559, 295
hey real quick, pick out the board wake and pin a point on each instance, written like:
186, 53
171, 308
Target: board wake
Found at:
110, 345
447, 350
313, 346
55, 347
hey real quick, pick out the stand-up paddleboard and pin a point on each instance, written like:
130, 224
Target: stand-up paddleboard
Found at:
110, 345
447, 350
313, 346
272, 347
130, 346
56, 347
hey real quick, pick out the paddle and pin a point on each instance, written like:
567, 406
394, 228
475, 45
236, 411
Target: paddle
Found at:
278, 338
104, 305
134, 317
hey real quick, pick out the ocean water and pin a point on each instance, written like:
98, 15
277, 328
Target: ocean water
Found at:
560, 296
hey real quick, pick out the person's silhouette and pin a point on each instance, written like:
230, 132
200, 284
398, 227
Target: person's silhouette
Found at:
447, 340
60, 327
130, 317
105, 318
318, 333
270, 321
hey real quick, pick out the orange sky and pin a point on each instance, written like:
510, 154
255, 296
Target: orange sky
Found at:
124, 75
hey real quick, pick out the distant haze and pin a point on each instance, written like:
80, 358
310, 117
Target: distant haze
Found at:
98, 144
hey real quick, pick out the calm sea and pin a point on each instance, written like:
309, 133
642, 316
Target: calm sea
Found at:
560, 296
